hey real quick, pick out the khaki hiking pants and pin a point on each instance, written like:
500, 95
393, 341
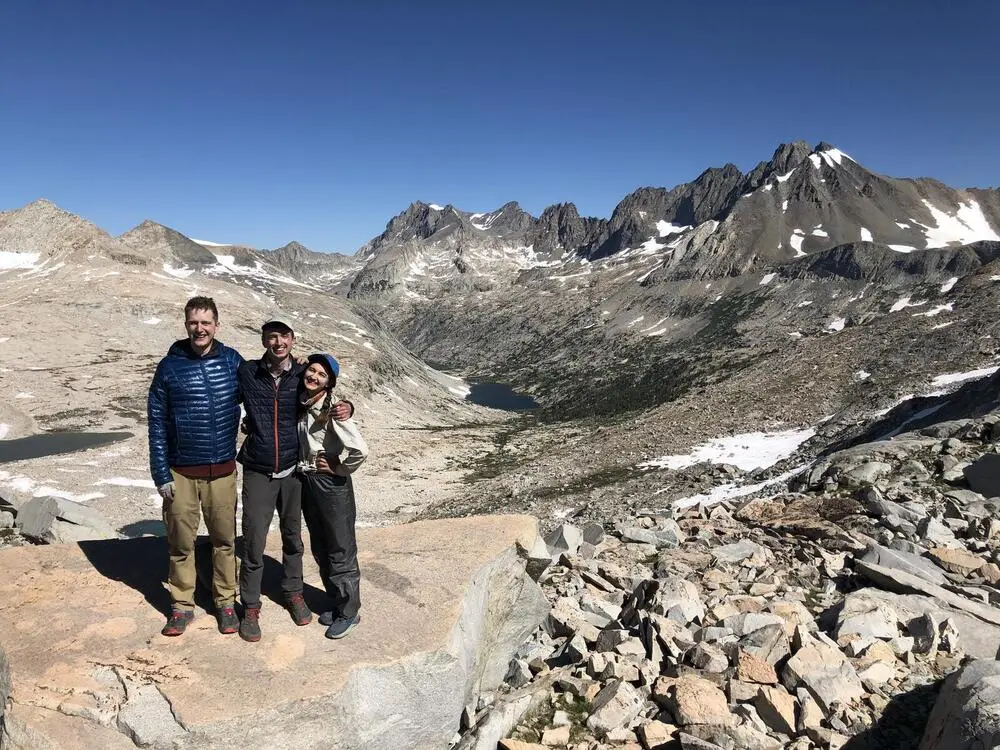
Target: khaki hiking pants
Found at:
216, 500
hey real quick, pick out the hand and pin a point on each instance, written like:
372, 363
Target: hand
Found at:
166, 491
323, 466
343, 410
245, 426
300, 360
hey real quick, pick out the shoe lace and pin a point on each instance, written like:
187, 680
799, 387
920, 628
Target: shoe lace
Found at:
297, 600
177, 617
253, 614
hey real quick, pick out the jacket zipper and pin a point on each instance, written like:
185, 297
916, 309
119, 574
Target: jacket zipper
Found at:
276, 382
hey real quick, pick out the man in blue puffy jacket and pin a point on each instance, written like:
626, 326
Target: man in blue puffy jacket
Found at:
194, 415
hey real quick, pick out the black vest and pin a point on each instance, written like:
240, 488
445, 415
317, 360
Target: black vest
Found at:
272, 416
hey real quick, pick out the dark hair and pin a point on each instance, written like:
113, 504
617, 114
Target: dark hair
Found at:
201, 303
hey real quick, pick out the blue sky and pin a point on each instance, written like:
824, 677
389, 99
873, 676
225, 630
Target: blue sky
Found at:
262, 122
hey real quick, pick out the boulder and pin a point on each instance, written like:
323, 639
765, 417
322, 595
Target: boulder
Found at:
566, 538
738, 552
615, 706
666, 537
966, 715
866, 617
905, 561
826, 673
956, 560
905, 583
693, 700
980, 639
777, 709
55, 520
447, 603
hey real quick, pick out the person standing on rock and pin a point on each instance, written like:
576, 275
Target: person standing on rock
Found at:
193, 413
329, 452
270, 388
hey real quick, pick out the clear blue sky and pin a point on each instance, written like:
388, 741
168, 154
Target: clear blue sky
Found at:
262, 122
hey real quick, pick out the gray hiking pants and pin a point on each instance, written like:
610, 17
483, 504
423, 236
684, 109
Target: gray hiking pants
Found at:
262, 495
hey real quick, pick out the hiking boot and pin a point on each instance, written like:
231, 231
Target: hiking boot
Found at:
177, 623
342, 626
229, 623
298, 609
250, 626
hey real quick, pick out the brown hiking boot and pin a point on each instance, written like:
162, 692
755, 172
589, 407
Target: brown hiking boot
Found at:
298, 609
250, 626
177, 623
229, 623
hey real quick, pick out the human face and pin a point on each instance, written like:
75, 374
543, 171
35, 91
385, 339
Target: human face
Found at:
316, 378
201, 328
278, 345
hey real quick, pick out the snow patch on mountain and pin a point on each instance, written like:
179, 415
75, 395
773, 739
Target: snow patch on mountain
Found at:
181, 273
10, 261
968, 225
866, 235
796, 242
749, 451
947, 307
960, 377
665, 228
734, 490
949, 285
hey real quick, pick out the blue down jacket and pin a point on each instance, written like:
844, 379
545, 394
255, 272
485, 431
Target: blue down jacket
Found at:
193, 409
272, 417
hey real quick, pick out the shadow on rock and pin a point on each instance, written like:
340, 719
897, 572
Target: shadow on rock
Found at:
141, 563
902, 724
270, 587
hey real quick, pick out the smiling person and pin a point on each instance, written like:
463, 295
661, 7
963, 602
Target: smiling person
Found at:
329, 452
193, 414
270, 388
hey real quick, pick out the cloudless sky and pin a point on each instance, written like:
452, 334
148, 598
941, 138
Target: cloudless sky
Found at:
318, 120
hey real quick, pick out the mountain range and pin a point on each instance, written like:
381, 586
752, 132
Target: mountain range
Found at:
807, 289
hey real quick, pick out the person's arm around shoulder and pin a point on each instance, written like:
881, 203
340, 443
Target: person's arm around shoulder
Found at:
355, 446
157, 413
342, 410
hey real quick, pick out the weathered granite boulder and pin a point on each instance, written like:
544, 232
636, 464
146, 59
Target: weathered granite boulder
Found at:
56, 520
966, 715
446, 604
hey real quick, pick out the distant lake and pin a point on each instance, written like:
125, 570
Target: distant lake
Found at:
499, 396
54, 443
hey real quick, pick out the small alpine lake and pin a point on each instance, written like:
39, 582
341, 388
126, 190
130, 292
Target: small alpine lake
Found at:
55, 443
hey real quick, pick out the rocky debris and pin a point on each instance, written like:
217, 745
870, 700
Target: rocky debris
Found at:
787, 622
55, 520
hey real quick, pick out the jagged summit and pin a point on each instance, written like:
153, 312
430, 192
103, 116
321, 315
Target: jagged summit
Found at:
803, 200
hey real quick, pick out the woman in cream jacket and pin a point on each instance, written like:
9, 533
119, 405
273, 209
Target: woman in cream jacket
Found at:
329, 452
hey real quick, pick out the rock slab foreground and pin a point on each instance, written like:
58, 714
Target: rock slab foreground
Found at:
446, 604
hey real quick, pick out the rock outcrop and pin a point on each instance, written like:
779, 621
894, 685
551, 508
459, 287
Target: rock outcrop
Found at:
967, 713
446, 605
